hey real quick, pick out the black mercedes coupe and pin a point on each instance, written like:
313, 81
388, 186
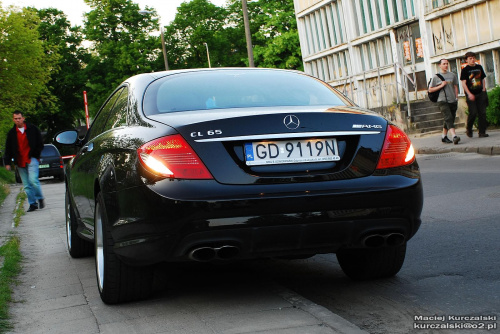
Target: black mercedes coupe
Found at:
232, 164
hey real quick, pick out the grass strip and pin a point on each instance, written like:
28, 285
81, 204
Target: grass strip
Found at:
5, 178
11, 255
19, 210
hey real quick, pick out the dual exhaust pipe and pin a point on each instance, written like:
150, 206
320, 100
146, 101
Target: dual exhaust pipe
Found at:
380, 240
206, 254
228, 252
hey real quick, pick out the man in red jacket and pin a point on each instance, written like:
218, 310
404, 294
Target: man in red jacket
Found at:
23, 147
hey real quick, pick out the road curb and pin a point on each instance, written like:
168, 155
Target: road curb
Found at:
334, 321
488, 150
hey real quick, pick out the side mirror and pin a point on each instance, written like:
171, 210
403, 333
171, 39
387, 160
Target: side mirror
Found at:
69, 137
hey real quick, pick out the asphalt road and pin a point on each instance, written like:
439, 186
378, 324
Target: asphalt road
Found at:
452, 264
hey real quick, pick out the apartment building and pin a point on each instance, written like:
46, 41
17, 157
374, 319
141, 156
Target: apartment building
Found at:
383, 52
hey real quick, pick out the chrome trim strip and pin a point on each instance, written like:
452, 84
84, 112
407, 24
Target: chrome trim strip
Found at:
290, 135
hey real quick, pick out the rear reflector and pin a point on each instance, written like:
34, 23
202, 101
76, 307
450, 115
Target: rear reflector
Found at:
397, 150
172, 157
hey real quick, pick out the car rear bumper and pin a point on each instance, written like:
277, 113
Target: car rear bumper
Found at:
55, 172
302, 222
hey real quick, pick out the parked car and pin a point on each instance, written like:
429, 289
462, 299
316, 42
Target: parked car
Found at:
50, 164
234, 164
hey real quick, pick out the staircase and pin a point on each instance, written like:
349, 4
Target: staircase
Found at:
426, 117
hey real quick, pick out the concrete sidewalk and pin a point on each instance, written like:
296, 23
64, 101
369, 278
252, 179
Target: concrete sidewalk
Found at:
431, 143
58, 294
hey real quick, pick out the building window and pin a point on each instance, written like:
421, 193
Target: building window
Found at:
363, 57
323, 27
489, 69
387, 15
363, 18
453, 67
440, 3
379, 15
331, 67
405, 10
371, 15
395, 8
340, 20
376, 53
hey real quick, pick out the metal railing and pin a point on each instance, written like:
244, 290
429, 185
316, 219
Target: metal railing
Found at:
399, 71
401, 79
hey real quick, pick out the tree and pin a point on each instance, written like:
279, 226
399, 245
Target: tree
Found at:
274, 32
122, 46
61, 104
277, 39
198, 22
23, 75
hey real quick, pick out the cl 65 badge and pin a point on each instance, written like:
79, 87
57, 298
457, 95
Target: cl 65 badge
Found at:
207, 133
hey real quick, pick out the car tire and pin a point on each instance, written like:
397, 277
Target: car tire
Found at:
77, 247
61, 176
117, 282
372, 263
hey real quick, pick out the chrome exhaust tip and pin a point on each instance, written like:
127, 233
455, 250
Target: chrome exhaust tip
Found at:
206, 254
227, 252
374, 240
202, 254
395, 239
380, 240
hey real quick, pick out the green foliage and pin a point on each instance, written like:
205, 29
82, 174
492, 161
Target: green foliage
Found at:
6, 177
493, 109
60, 105
272, 23
19, 211
10, 269
198, 22
23, 73
277, 38
9, 252
121, 43
47, 68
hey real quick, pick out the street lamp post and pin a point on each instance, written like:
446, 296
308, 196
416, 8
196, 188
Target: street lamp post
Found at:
208, 55
163, 47
248, 36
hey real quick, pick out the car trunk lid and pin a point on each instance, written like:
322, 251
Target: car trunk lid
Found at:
282, 145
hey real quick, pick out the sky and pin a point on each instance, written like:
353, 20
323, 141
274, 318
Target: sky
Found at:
74, 9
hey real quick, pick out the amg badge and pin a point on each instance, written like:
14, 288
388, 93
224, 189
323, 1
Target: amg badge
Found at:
367, 126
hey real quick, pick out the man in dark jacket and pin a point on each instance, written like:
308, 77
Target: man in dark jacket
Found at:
474, 84
23, 147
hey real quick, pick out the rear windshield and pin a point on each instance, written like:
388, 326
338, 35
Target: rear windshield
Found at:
49, 151
225, 89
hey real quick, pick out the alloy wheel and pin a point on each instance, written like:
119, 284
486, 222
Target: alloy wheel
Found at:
99, 247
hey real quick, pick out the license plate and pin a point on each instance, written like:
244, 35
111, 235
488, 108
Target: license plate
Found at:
291, 151
43, 166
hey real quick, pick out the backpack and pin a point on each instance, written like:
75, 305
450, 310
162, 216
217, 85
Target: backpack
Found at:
434, 95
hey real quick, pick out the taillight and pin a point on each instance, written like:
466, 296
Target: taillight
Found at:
397, 150
172, 157
61, 162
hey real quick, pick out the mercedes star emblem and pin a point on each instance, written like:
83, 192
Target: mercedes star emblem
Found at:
291, 122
